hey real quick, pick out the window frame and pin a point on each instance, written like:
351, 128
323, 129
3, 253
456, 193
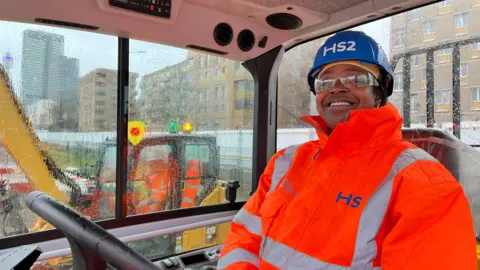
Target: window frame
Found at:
431, 28
414, 60
442, 94
398, 87
414, 15
475, 46
400, 35
463, 69
445, 3
477, 90
413, 100
457, 17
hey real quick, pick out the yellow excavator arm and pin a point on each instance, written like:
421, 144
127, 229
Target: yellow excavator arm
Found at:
22, 143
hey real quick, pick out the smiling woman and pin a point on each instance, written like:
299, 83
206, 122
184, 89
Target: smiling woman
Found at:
359, 183
345, 87
423, 94
353, 78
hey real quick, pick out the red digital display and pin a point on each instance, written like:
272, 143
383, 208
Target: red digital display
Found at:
160, 8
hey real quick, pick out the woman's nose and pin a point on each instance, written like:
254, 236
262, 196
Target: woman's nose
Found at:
338, 87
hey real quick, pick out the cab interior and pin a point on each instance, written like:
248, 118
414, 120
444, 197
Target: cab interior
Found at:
259, 34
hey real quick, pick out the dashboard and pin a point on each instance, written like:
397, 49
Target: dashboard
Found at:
204, 259
97, 248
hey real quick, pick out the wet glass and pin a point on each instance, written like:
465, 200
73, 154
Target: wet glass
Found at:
65, 84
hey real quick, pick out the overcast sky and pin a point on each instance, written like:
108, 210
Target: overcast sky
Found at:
380, 31
93, 50
100, 51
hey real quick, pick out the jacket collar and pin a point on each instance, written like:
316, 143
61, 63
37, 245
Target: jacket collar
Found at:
362, 129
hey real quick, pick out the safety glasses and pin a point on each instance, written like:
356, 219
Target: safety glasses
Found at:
349, 82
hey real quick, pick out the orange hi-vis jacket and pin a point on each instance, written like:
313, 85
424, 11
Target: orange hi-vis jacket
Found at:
192, 184
360, 198
160, 185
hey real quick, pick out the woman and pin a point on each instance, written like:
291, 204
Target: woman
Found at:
359, 197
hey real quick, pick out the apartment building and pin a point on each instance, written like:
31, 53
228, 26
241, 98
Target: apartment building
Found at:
166, 96
98, 100
225, 92
440, 23
210, 92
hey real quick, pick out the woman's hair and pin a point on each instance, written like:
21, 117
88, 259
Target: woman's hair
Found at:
381, 91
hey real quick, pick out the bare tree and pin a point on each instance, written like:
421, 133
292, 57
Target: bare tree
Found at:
176, 102
293, 90
179, 99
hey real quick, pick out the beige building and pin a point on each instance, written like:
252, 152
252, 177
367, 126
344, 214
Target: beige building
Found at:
159, 99
208, 91
225, 92
432, 25
98, 100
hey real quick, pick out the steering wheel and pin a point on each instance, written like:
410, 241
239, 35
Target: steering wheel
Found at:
92, 246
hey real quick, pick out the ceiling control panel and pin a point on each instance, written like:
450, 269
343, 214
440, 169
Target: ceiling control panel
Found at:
200, 259
159, 8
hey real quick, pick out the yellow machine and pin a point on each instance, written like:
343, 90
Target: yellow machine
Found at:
478, 250
22, 143
24, 146
198, 238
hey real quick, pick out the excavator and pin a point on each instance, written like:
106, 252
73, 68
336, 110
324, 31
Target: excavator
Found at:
184, 150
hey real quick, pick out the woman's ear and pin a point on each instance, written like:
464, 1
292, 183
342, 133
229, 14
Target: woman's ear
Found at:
387, 81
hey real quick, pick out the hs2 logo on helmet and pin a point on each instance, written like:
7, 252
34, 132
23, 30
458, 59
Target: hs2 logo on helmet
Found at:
340, 47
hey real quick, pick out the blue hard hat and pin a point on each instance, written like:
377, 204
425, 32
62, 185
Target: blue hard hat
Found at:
353, 45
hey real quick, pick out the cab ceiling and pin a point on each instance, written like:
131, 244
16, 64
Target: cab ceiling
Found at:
192, 22
325, 6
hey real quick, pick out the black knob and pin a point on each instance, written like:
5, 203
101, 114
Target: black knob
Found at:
232, 190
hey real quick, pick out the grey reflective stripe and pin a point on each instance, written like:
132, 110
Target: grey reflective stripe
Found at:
285, 257
187, 200
252, 223
376, 208
191, 186
238, 255
282, 164
287, 186
371, 219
